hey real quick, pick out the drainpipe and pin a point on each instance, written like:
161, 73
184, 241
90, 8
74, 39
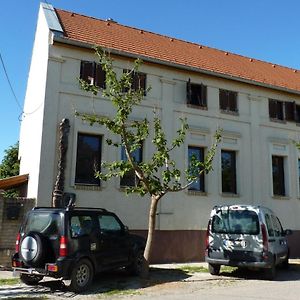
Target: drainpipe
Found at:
57, 197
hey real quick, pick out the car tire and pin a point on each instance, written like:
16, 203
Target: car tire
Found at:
137, 265
81, 276
33, 249
214, 269
30, 279
270, 273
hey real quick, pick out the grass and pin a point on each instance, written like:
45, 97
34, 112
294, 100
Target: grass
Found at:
120, 292
9, 281
201, 269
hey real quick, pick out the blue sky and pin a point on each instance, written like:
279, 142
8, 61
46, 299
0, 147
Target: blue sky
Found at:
262, 29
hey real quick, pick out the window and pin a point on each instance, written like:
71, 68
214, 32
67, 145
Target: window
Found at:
88, 159
228, 100
92, 73
228, 171
129, 178
198, 153
138, 81
81, 225
196, 94
269, 225
109, 224
278, 175
284, 110
276, 109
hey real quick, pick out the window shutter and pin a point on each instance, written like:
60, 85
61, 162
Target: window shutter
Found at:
204, 95
189, 91
272, 108
87, 71
141, 77
289, 111
223, 99
100, 76
232, 103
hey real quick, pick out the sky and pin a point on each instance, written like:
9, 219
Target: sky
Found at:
261, 29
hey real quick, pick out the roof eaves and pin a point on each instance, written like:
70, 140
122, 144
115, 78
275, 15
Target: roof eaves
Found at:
64, 40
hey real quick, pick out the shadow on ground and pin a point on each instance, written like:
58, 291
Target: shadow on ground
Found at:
110, 283
290, 274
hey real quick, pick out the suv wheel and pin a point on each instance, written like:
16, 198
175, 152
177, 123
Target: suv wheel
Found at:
137, 265
81, 276
214, 269
33, 249
30, 279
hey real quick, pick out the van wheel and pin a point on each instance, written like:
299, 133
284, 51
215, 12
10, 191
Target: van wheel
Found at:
81, 276
137, 265
30, 279
270, 273
285, 264
214, 269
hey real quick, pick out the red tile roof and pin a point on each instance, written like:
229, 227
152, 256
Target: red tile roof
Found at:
138, 42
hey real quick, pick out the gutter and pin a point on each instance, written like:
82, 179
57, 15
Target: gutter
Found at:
60, 39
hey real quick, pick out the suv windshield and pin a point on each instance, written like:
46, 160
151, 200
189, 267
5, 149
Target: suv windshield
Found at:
46, 223
235, 221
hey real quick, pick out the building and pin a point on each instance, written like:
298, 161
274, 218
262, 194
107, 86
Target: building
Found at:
256, 103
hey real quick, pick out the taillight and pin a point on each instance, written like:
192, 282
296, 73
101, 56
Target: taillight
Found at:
63, 249
207, 238
265, 241
18, 243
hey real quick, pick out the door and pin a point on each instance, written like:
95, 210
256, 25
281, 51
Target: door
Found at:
281, 246
113, 241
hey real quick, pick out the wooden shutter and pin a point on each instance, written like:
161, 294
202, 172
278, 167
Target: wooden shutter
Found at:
189, 91
100, 76
204, 95
223, 99
141, 81
232, 103
87, 71
290, 111
272, 108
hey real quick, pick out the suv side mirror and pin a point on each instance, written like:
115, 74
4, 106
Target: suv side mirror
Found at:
288, 232
126, 229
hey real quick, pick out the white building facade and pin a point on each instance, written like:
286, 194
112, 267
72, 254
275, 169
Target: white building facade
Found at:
256, 162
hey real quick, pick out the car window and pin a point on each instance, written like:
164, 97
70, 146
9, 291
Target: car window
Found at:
46, 223
109, 224
81, 225
277, 226
236, 222
269, 225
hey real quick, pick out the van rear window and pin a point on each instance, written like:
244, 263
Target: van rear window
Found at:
235, 222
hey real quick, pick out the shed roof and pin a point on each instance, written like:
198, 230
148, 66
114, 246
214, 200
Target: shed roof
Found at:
14, 181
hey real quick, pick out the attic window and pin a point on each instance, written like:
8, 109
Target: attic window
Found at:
228, 101
92, 73
196, 94
138, 81
284, 110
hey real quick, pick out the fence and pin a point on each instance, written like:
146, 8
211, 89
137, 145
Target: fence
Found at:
12, 211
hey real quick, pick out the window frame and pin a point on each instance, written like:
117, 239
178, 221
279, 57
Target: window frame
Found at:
196, 94
279, 189
233, 172
138, 80
225, 99
201, 181
77, 179
130, 179
95, 75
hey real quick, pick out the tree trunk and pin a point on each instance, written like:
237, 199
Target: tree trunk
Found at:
151, 231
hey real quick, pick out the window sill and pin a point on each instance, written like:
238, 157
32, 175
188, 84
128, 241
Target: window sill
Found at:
87, 187
229, 112
278, 197
197, 106
196, 193
230, 195
278, 121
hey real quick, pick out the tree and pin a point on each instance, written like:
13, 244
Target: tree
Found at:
158, 175
10, 166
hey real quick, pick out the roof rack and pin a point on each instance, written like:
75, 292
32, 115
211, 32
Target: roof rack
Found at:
85, 208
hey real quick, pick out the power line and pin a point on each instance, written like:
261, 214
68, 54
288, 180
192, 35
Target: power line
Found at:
10, 85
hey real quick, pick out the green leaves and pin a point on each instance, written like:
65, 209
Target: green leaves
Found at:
159, 174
